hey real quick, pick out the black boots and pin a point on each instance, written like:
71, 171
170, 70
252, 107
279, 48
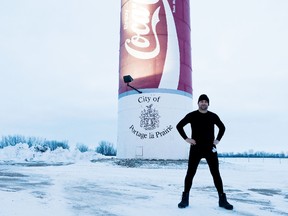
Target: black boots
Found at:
185, 200
224, 203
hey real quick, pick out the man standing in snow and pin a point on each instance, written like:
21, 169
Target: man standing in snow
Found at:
203, 145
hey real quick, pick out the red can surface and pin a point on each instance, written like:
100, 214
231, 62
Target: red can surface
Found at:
155, 45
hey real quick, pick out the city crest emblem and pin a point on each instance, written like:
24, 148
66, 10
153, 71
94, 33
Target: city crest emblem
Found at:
149, 118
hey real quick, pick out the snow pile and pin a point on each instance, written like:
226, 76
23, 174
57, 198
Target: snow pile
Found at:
21, 153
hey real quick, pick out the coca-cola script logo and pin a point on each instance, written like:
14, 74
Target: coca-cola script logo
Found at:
144, 42
141, 17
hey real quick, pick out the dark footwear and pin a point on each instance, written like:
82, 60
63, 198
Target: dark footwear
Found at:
185, 200
224, 203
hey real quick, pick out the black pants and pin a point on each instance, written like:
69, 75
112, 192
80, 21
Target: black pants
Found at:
194, 159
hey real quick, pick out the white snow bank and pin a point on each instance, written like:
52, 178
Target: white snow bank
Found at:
22, 153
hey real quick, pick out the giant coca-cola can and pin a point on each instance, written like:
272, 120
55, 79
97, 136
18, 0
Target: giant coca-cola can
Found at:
155, 50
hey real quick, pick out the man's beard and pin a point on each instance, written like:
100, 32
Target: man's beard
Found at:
203, 107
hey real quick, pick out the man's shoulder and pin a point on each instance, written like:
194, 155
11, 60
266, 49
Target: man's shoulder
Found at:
195, 112
213, 114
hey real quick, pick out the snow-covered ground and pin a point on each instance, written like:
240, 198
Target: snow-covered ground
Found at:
67, 183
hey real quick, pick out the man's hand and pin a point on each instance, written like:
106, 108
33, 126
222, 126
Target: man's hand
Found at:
190, 141
216, 142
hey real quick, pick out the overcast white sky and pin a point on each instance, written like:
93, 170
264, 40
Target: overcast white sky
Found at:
59, 69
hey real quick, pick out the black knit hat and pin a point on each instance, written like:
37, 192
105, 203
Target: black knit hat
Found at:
203, 97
